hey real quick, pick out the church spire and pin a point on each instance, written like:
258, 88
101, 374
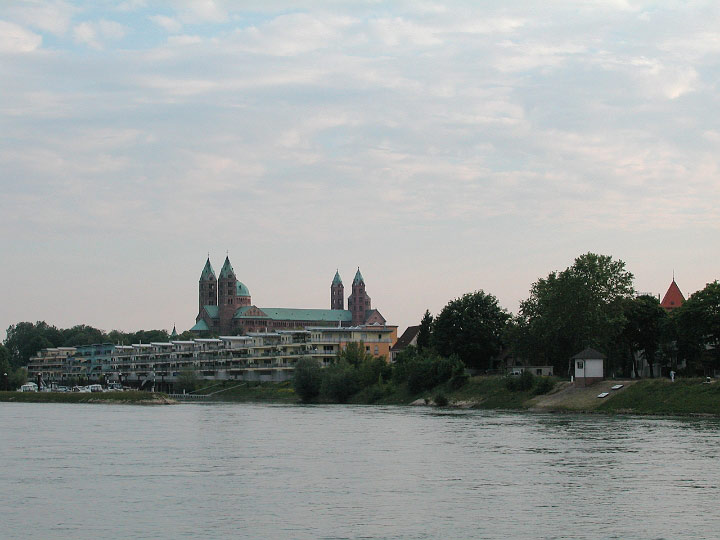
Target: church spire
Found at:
208, 273
227, 269
358, 277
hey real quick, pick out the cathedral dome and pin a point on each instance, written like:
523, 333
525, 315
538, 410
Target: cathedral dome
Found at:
241, 289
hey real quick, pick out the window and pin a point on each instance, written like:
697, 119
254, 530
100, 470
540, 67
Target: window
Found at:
579, 364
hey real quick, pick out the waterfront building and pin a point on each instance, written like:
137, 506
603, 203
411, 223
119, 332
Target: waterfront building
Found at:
407, 339
52, 363
254, 343
225, 307
589, 367
256, 356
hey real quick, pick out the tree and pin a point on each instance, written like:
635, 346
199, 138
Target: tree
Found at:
5, 369
339, 382
307, 379
187, 380
425, 332
471, 327
646, 327
24, 339
82, 334
354, 354
698, 326
579, 307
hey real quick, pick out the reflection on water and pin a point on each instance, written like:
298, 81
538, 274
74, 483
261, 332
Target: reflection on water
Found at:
259, 471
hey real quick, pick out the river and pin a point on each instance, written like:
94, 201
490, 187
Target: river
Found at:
270, 471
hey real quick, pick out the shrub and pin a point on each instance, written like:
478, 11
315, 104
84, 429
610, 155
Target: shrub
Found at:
339, 382
426, 372
187, 380
543, 385
440, 400
459, 377
371, 394
520, 383
307, 379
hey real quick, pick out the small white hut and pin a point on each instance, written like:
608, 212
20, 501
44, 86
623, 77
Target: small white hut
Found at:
589, 367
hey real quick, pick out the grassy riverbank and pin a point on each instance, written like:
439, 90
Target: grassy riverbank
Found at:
250, 392
660, 396
136, 398
647, 396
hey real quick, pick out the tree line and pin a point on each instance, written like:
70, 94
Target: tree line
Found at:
592, 303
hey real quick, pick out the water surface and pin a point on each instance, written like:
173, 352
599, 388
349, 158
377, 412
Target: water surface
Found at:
266, 471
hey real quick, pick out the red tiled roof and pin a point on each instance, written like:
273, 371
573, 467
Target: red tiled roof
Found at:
673, 297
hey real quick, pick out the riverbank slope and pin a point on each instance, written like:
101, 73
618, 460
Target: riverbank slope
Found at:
647, 396
134, 398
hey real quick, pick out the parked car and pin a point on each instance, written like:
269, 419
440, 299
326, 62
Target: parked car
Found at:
28, 387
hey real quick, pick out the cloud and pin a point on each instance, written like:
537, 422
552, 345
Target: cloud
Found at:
16, 39
202, 11
95, 33
49, 16
398, 31
290, 35
326, 129
170, 24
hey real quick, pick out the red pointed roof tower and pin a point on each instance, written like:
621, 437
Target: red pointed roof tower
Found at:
673, 298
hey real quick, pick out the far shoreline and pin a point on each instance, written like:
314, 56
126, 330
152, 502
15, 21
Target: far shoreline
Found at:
694, 398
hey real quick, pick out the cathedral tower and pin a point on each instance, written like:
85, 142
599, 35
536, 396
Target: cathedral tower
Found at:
337, 293
208, 287
227, 289
358, 301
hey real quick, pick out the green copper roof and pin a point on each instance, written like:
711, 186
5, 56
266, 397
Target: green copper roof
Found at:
174, 332
208, 272
212, 311
227, 269
336, 279
305, 315
358, 277
200, 326
241, 289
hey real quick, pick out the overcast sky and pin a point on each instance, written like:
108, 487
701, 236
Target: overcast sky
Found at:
441, 147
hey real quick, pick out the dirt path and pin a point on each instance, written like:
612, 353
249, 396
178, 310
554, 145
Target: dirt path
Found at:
568, 397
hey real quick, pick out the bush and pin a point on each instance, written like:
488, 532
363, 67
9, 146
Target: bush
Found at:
187, 380
543, 385
440, 400
371, 394
339, 382
307, 379
459, 377
426, 372
520, 383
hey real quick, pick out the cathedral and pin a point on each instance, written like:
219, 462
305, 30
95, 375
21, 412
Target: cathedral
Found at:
226, 308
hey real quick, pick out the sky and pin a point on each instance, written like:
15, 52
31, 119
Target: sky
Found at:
443, 148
